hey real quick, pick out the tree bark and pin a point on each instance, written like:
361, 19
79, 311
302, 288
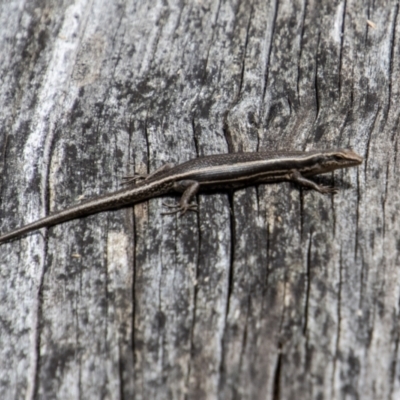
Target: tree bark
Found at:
270, 292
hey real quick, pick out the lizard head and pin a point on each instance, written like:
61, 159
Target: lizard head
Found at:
329, 160
343, 158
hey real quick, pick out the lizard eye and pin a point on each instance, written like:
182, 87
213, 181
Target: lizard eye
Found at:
340, 156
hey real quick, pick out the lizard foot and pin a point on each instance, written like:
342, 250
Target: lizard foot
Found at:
178, 208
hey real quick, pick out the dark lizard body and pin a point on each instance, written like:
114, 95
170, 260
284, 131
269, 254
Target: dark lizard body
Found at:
216, 172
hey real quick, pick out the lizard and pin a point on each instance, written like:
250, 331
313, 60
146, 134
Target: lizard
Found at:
213, 172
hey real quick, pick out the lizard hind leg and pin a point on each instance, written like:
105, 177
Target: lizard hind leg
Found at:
189, 189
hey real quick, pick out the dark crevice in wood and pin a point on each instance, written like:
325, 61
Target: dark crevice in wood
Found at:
339, 325
100, 110
191, 343
396, 149
131, 128
243, 64
333, 210
134, 328
159, 313
290, 106
363, 284
258, 200
317, 102
109, 85
178, 20
363, 273
342, 33
48, 150
227, 133
193, 323
343, 127
367, 149
242, 368
352, 91
37, 328
308, 284
120, 373
153, 51
395, 130
114, 42
385, 196
4, 148
303, 18
276, 390
284, 308
392, 56
107, 297
246, 325
301, 205
77, 335
195, 138
232, 252
395, 357
367, 26
357, 223
131, 160
375, 121
146, 136
268, 60
106, 275
221, 366
368, 144
211, 43
268, 250
230, 278
113, 132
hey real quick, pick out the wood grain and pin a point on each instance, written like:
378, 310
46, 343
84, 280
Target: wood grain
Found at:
270, 292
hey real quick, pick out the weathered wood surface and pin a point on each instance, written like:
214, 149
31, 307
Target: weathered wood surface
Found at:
268, 293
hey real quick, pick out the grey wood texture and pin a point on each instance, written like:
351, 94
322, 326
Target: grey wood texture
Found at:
271, 292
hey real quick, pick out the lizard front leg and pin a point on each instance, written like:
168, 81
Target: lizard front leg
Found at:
297, 177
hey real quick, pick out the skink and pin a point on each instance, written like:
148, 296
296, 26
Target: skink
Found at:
215, 172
